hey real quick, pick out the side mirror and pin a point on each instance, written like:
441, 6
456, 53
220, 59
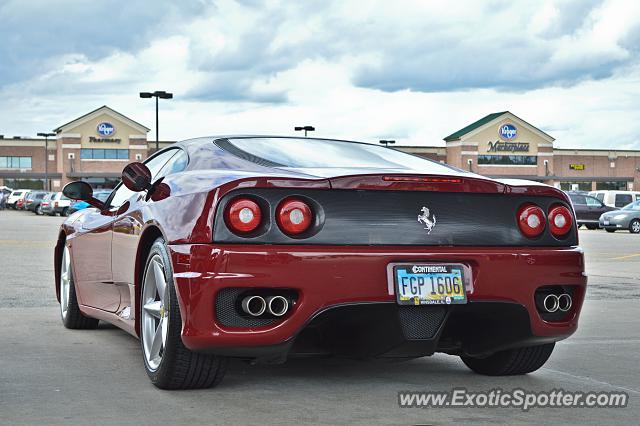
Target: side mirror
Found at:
82, 191
137, 177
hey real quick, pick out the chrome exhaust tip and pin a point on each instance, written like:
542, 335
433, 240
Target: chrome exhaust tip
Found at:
564, 302
551, 303
277, 305
254, 305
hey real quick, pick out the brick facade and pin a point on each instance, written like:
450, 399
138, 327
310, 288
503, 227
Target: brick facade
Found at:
591, 168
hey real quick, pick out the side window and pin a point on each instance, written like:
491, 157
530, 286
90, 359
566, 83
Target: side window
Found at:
623, 199
578, 199
122, 193
176, 164
593, 202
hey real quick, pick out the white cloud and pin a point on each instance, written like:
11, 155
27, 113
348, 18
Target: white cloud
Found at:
414, 71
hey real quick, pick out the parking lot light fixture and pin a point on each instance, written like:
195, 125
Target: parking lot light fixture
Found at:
46, 136
305, 128
158, 94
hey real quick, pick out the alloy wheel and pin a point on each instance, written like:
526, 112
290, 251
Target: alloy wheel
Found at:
65, 282
155, 312
635, 226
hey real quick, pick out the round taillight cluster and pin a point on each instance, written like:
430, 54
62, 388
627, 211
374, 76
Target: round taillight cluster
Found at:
294, 216
560, 220
531, 220
243, 215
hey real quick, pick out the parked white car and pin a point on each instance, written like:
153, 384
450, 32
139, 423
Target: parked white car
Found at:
617, 199
15, 195
60, 204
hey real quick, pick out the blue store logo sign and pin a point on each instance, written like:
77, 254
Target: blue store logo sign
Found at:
106, 129
508, 132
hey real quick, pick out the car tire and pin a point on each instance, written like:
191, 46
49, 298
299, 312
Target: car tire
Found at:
64, 211
511, 362
592, 227
610, 230
38, 211
634, 226
168, 363
69, 309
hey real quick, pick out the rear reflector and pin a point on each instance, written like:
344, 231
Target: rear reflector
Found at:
531, 220
243, 215
294, 216
560, 220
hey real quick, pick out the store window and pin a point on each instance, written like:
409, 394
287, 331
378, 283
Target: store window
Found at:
15, 162
575, 186
508, 160
104, 154
615, 185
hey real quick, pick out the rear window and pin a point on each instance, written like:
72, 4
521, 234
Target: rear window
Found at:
600, 196
323, 153
632, 206
623, 199
17, 194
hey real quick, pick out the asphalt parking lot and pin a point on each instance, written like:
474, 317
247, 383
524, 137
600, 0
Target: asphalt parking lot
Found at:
52, 375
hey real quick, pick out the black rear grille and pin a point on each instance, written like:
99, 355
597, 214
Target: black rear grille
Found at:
366, 217
421, 322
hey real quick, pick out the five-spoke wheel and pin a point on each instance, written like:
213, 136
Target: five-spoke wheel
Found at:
169, 364
155, 315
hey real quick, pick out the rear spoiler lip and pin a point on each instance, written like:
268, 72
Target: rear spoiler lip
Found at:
473, 183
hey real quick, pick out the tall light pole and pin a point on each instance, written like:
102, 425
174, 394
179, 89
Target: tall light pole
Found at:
46, 137
305, 128
387, 142
158, 94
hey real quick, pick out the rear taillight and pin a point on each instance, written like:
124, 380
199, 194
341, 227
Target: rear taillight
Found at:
531, 220
56, 204
560, 220
243, 215
294, 216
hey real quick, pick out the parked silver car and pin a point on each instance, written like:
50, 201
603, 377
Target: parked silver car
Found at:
626, 218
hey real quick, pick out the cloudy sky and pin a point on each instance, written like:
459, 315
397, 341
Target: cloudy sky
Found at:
413, 71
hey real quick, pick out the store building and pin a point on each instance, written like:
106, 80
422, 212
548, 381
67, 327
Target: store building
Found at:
96, 146
502, 145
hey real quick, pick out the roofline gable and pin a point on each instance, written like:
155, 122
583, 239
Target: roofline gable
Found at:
489, 120
102, 110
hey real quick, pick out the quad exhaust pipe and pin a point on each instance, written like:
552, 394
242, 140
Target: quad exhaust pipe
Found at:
277, 305
254, 305
258, 305
554, 302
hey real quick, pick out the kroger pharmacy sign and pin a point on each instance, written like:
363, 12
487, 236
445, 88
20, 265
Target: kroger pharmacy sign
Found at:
508, 132
106, 129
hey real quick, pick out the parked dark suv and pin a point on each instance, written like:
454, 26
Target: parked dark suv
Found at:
588, 209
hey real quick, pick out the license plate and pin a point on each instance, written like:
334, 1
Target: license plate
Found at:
429, 284
605, 221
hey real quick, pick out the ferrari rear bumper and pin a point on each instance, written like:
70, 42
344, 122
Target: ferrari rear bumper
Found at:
346, 304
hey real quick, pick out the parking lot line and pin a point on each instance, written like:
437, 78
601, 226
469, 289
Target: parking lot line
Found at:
628, 256
590, 380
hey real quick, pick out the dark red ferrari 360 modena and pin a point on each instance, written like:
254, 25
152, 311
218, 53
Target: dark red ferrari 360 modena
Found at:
263, 248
